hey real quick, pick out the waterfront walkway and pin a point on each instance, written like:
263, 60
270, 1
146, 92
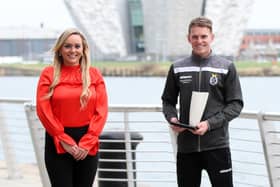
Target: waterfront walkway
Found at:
29, 176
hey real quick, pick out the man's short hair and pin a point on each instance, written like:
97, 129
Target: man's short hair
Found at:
201, 22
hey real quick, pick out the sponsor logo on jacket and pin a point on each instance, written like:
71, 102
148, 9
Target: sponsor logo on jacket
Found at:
185, 79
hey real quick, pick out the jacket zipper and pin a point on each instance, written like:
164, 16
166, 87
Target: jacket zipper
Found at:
199, 89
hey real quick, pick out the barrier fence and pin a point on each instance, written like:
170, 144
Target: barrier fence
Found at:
142, 147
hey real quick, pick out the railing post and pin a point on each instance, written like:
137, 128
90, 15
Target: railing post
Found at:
128, 152
38, 140
263, 134
173, 137
8, 150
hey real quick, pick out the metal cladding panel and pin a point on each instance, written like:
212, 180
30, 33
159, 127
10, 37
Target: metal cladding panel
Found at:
230, 19
180, 14
165, 25
100, 21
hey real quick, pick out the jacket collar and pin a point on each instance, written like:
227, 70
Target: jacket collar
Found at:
199, 59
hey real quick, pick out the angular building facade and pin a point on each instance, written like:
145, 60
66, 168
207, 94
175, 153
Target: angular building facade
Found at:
100, 22
165, 25
157, 28
230, 19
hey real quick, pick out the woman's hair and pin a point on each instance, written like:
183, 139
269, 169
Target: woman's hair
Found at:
84, 63
201, 22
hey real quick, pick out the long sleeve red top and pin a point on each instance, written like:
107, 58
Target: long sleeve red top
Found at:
63, 109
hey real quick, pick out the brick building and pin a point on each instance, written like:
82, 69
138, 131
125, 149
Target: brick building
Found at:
262, 45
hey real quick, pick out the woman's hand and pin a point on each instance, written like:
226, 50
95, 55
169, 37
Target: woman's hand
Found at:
81, 155
77, 152
71, 149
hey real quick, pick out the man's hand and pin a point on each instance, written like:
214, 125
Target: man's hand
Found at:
176, 128
202, 128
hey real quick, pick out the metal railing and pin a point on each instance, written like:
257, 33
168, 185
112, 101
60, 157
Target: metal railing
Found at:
8, 118
254, 145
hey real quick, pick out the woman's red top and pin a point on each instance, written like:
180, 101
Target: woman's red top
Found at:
63, 109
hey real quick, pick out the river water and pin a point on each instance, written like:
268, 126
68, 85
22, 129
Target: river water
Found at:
260, 93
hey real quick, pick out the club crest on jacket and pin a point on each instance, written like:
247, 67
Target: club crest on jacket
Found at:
213, 79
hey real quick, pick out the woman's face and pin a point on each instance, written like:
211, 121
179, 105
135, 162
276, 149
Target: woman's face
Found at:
72, 50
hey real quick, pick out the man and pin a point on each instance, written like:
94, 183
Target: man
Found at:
206, 147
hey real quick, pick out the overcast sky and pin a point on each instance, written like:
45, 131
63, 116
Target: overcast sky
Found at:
265, 15
53, 14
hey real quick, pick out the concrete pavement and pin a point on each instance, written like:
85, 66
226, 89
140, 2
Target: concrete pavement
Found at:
28, 176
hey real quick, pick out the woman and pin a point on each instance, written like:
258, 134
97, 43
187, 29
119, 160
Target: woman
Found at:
72, 106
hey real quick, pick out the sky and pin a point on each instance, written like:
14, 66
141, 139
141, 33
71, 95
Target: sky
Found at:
53, 14
265, 15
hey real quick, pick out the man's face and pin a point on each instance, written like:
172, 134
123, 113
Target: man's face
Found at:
200, 38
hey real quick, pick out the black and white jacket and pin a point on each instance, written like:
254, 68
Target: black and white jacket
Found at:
215, 75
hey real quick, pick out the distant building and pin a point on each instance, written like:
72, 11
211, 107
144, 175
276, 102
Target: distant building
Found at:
28, 43
260, 45
136, 25
156, 29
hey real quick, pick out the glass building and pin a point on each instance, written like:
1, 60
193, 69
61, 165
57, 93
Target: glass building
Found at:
136, 26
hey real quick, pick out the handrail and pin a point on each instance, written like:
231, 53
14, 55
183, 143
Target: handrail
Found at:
246, 114
16, 100
8, 150
270, 116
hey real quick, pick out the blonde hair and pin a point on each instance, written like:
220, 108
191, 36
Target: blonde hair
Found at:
84, 63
